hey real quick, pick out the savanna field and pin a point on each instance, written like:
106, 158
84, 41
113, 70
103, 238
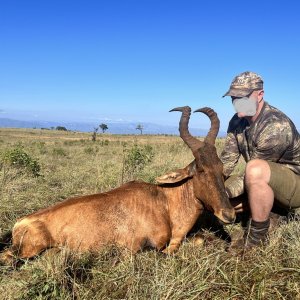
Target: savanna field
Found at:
41, 167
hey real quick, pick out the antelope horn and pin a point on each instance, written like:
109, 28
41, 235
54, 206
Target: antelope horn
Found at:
193, 143
215, 124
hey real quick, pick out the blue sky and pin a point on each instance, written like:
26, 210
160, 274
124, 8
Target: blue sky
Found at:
136, 60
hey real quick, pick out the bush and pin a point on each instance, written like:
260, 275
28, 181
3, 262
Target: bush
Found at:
18, 158
61, 128
136, 158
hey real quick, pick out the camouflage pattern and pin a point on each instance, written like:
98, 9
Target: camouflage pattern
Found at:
234, 186
244, 84
272, 137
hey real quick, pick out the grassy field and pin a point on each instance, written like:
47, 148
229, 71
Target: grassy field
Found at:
57, 165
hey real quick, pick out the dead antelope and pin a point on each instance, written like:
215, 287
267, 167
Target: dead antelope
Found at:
137, 214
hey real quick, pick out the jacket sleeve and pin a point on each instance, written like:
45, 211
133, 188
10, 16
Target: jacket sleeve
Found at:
230, 154
234, 186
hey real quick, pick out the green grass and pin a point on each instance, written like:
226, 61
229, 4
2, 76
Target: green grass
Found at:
71, 164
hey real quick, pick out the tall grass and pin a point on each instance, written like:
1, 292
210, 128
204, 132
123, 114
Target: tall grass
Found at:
71, 164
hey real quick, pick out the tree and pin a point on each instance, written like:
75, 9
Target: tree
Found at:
103, 127
94, 134
61, 128
140, 127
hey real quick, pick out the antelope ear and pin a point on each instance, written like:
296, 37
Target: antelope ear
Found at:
177, 175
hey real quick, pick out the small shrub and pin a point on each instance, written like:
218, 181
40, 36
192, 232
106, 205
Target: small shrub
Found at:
136, 158
18, 158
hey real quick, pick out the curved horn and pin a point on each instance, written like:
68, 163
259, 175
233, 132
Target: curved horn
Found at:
215, 124
191, 141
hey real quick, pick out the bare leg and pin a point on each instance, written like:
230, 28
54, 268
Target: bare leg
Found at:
261, 200
260, 194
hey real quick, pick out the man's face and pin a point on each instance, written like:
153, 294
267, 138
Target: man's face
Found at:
247, 106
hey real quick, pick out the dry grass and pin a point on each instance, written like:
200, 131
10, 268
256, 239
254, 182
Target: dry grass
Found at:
71, 164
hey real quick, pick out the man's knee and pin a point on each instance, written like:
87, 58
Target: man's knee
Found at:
257, 170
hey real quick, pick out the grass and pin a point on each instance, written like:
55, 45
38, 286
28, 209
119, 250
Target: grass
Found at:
71, 164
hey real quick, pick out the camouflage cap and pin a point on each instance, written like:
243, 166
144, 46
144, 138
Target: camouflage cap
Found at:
244, 84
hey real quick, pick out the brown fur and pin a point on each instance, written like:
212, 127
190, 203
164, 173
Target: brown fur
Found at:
134, 215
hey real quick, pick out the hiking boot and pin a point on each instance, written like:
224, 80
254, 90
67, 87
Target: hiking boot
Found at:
256, 234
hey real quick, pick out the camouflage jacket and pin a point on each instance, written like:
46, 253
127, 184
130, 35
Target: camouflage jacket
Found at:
272, 137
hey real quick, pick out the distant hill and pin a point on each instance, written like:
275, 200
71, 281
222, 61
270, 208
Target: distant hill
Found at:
113, 127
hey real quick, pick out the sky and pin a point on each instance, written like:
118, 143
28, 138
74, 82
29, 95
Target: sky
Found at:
134, 60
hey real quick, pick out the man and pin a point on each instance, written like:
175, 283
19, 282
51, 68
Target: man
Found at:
270, 144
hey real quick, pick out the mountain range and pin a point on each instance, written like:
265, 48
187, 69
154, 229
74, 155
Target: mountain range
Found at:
113, 127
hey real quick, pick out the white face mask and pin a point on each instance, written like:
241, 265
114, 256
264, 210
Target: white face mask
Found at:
245, 105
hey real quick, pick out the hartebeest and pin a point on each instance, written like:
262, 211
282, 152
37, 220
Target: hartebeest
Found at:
137, 214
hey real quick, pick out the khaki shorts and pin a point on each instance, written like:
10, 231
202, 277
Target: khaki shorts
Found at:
285, 185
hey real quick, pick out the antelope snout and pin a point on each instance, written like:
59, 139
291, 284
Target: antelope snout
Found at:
227, 216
